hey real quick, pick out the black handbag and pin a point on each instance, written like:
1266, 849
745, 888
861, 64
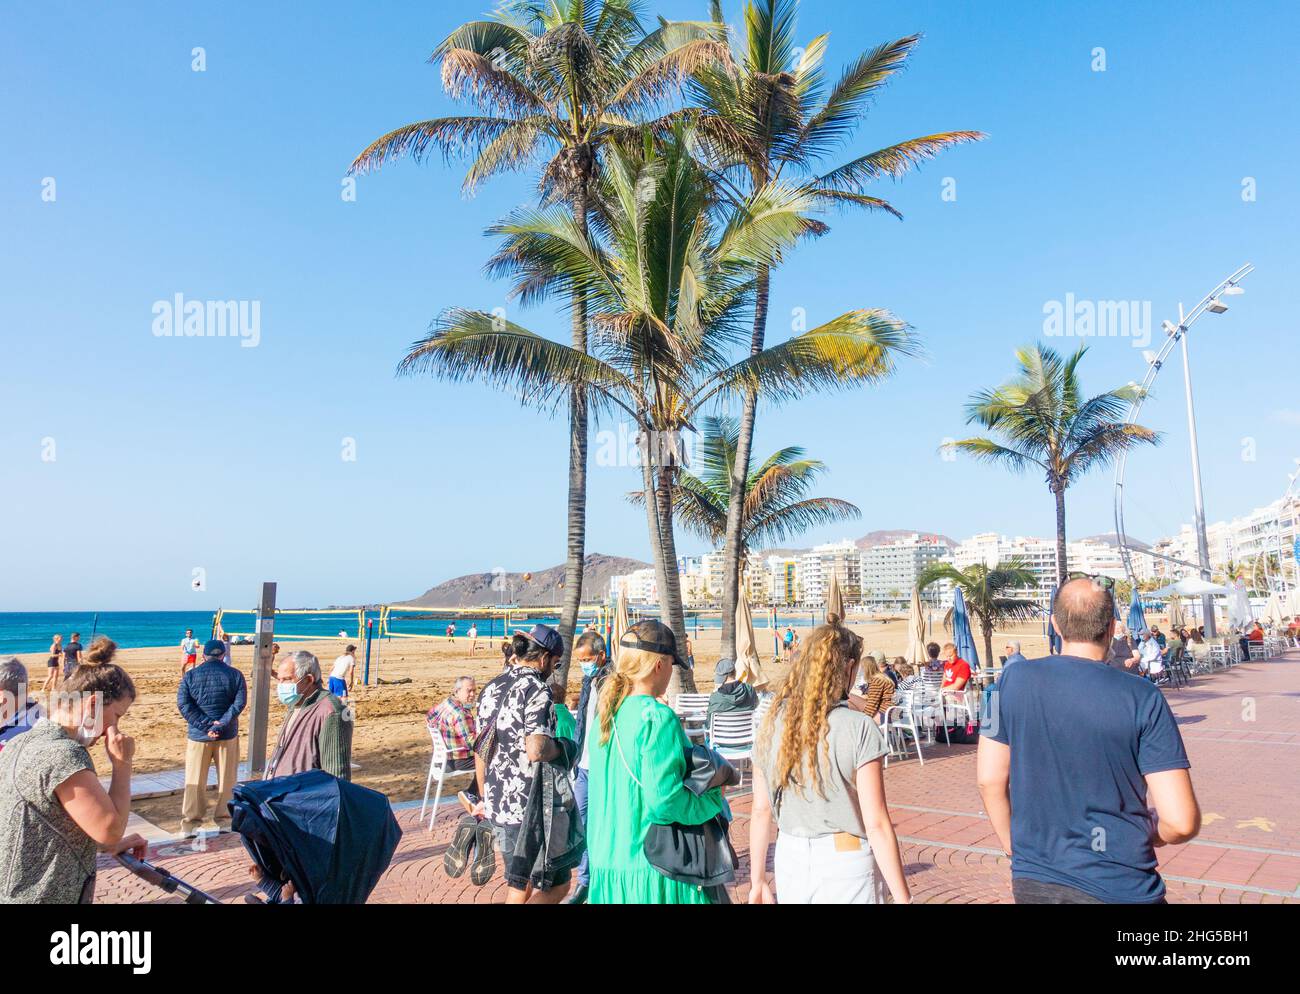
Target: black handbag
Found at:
695, 855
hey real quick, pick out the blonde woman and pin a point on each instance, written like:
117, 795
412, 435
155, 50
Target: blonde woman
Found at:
637, 763
53, 664
818, 767
57, 814
876, 689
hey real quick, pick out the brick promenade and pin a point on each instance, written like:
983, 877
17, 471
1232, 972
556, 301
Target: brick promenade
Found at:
1241, 727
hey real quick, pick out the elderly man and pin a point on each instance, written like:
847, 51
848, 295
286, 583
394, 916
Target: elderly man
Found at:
18, 712
317, 732
210, 698
1013, 653
453, 719
1081, 813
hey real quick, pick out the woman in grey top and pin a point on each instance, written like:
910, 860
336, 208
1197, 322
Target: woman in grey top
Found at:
54, 813
818, 768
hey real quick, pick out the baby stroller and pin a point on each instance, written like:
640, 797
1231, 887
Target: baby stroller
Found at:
331, 839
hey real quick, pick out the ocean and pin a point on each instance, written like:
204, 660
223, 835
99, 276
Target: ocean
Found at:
27, 632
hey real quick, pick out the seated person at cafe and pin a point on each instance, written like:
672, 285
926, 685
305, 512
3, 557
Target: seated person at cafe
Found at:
956, 671
454, 720
730, 694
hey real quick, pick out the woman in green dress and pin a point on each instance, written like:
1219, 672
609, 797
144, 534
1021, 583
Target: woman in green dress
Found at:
637, 766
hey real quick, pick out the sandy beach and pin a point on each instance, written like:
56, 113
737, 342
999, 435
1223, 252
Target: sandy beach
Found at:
390, 744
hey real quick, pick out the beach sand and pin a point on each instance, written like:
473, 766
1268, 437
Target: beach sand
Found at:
390, 745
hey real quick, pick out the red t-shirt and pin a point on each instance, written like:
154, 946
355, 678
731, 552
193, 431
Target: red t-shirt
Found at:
956, 670
1256, 635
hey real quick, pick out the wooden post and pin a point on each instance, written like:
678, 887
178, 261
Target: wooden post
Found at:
261, 683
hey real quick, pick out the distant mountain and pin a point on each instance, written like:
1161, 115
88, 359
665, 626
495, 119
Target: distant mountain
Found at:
543, 588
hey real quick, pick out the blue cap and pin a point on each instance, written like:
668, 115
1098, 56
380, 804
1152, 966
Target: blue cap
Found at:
548, 638
214, 647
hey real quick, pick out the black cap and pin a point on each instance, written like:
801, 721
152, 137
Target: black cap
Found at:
652, 636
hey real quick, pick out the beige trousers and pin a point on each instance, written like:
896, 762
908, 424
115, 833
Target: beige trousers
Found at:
199, 757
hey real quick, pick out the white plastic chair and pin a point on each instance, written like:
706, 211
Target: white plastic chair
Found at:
899, 721
691, 709
731, 734
438, 769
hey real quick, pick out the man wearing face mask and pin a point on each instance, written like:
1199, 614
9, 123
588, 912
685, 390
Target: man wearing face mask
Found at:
589, 653
317, 732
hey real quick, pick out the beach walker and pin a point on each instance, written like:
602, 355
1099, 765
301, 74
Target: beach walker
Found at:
330, 838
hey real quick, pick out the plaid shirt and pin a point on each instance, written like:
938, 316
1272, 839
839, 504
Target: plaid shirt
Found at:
458, 726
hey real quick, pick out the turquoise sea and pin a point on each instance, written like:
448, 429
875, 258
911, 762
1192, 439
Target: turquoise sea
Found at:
28, 632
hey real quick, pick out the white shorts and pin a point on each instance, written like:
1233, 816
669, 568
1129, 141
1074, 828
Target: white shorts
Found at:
830, 869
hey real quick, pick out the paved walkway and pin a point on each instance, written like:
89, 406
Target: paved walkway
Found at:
1241, 731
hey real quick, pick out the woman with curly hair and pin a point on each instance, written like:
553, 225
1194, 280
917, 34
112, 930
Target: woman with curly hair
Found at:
57, 815
817, 773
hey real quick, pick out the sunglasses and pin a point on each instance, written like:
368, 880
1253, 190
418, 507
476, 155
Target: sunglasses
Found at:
1104, 582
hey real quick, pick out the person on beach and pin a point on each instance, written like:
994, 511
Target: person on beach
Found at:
787, 643
590, 655
72, 655
18, 712
472, 634
1081, 813
317, 731
517, 729
637, 768
210, 698
57, 815
345, 666
189, 651
52, 665
817, 774
451, 632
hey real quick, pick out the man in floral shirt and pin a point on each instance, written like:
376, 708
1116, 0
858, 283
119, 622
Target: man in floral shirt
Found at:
517, 724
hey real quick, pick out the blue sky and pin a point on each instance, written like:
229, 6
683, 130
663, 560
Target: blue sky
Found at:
175, 453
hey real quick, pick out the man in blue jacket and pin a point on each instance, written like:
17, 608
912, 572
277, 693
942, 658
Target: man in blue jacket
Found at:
210, 697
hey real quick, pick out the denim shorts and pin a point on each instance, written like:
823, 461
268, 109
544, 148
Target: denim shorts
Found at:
505, 837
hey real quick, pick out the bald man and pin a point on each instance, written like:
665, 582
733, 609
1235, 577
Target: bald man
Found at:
1082, 768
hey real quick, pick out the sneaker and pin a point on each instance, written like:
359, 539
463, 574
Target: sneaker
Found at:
579, 895
456, 858
485, 862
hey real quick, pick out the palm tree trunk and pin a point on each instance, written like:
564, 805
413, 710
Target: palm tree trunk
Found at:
670, 596
1062, 555
740, 475
986, 626
577, 504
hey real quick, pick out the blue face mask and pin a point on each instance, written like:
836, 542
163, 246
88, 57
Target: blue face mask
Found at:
288, 694
590, 669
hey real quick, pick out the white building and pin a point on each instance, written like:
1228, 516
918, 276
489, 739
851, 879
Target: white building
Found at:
890, 571
841, 559
1038, 555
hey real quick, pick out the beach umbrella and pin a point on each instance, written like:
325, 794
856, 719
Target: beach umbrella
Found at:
1137, 619
916, 654
1177, 619
618, 626
1273, 610
749, 669
962, 636
1293, 602
1239, 615
1054, 640
834, 599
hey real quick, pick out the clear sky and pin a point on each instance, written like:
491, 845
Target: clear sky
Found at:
175, 453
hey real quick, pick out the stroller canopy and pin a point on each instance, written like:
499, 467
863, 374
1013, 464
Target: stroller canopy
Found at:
332, 838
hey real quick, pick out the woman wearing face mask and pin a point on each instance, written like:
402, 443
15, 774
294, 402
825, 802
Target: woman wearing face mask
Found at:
817, 764
638, 765
56, 814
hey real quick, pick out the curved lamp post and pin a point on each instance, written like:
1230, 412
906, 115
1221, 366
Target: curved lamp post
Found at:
1176, 335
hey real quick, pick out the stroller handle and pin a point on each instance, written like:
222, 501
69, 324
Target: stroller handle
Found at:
164, 879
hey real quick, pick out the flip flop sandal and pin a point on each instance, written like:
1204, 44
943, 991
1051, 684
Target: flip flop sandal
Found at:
485, 863
456, 858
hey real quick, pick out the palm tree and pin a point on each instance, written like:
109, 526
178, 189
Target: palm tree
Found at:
767, 116
776, 508
1046, 423
668, 288
555, 82
985, 589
